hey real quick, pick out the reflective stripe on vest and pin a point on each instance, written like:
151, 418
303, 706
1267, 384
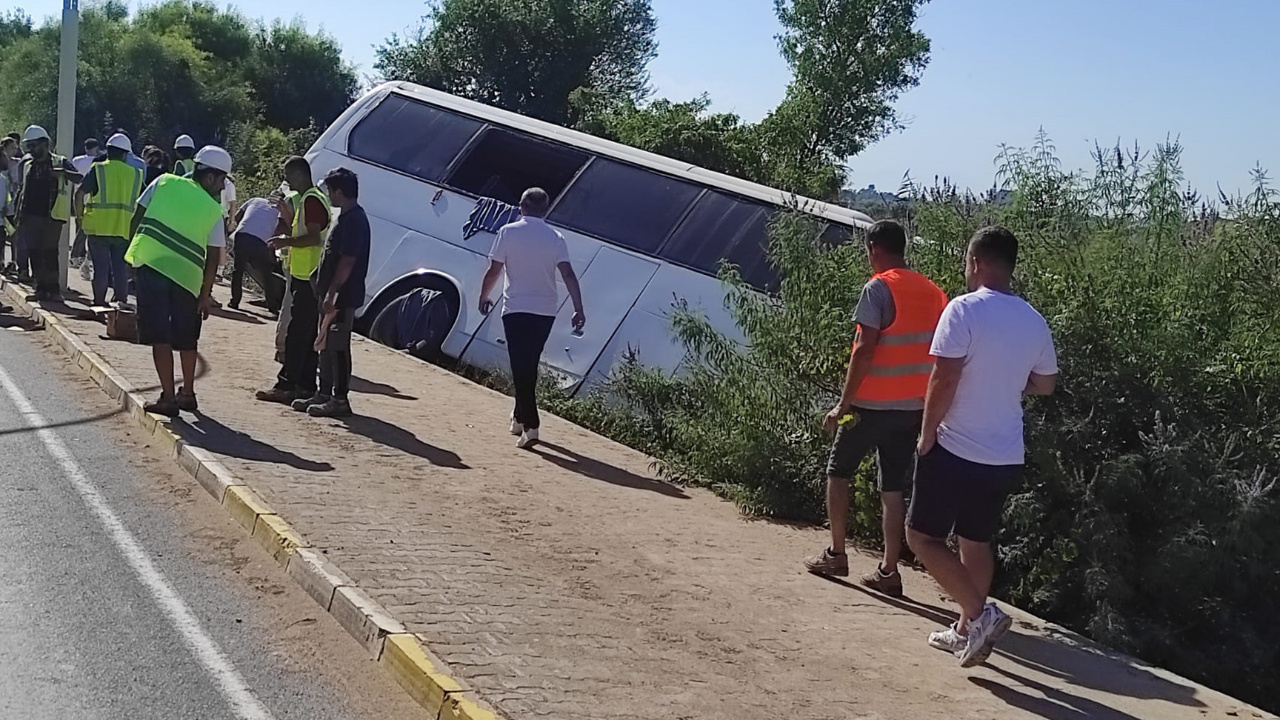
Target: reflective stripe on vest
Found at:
304, 260
172, 235
61, 209
901, 364
184, 168
109, 211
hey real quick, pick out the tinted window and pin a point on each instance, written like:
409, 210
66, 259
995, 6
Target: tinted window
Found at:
503, 164
411, 137
721, 227
625, 205
836, 234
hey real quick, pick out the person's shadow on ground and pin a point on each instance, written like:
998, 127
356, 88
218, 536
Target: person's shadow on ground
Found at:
369, 387
392, 436
604, 472
217, 438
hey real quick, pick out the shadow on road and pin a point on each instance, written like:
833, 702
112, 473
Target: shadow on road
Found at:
932, 613
1054, 705
65, 423
237, 315
384, 433
215, 437
369, 387
604, 472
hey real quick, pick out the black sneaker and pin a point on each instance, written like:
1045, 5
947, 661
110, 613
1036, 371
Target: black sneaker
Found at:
167, 407
335, 407
283, 396
305, 404
187, 402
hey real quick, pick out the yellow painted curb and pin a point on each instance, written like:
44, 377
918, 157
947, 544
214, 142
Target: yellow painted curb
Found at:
245, 506
420, 674
275, 535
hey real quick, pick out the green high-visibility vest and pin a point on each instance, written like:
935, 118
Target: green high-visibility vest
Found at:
184, 168
172, 236
61, 209
304, 260
109, 211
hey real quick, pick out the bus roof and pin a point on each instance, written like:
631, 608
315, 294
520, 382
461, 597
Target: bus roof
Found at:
618, 151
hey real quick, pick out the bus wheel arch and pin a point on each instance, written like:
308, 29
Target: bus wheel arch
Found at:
440, 306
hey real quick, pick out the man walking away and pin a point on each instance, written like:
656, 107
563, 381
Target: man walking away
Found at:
882, 402
176, 248
185, 149
107, 200
308, 215
256, 220
339, 282
991, 348
44, 206
530, 252
79, 249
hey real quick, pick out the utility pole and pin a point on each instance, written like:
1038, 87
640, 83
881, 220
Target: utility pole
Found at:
68, 60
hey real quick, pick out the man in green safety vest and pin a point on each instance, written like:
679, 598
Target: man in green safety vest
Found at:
307, 216
184, 148
106, 202
43, 208
178, 236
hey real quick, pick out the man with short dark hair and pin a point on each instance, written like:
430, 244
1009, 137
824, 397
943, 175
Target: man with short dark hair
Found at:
306, 215
882, 400
339, 283
79, 248
991, 348
255, 224
529, 252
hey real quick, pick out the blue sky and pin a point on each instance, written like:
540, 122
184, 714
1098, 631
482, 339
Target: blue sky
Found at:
1085, 70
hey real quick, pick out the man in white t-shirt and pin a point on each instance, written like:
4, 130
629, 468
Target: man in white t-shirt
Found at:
257, 220
530, 252
991, 348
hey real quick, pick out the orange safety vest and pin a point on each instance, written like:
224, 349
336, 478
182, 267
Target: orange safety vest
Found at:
901, 364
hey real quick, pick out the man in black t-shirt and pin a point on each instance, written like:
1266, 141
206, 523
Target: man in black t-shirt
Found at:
339, 287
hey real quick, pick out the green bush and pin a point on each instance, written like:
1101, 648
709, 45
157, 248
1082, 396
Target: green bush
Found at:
1148, 519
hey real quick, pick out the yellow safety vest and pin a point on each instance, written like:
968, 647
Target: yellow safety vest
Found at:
172, 236
61, 210
304, 260
109, 211
184, 167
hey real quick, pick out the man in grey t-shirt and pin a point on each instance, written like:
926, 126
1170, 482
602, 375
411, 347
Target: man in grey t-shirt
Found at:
882, 401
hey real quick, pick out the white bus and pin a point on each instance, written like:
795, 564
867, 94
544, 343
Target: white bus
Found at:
643, 230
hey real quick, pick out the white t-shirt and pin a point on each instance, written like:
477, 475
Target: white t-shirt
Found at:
228, 198
82, 163
217, 236
1003, 340
259, 220
530, 250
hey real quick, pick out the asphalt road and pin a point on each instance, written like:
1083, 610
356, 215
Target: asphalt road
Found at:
126, 592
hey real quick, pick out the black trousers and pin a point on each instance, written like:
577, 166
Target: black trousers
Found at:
335, 358
526, 339
301, 361
253, 255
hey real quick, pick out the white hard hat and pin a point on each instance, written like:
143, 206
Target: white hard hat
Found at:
184, 141
35, 132
120, 141
214, 157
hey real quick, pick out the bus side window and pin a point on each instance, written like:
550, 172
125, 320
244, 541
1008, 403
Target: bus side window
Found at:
503, 164
721, 227
835, 235
411, 137
625, 205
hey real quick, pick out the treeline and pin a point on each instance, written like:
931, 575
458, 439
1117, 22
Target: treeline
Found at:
177, 67
1150, 517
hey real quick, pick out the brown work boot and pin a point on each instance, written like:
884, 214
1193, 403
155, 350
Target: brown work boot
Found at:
828, 563
890, 585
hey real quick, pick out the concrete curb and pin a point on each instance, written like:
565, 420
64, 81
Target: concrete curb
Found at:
402, 654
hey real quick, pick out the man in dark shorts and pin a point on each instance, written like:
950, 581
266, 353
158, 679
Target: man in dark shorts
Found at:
178, 236
882, 402
339, 284
991, 348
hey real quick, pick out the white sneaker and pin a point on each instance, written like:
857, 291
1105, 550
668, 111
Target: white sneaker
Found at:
990, 626
86, 270
528, 439
950, 640
516, 428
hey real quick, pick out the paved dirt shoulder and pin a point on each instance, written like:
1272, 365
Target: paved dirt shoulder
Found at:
570, 583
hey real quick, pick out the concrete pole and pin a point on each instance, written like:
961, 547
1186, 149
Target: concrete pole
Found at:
68, 61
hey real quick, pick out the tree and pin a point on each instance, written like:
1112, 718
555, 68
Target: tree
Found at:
529, 56
299, 78
851, 60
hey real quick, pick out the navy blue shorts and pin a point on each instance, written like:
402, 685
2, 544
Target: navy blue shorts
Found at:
167, 313
952, 494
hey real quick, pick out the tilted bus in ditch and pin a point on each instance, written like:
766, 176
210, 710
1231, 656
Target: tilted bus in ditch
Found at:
438, 174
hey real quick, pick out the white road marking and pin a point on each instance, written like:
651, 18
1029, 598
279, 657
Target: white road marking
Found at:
224, 675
